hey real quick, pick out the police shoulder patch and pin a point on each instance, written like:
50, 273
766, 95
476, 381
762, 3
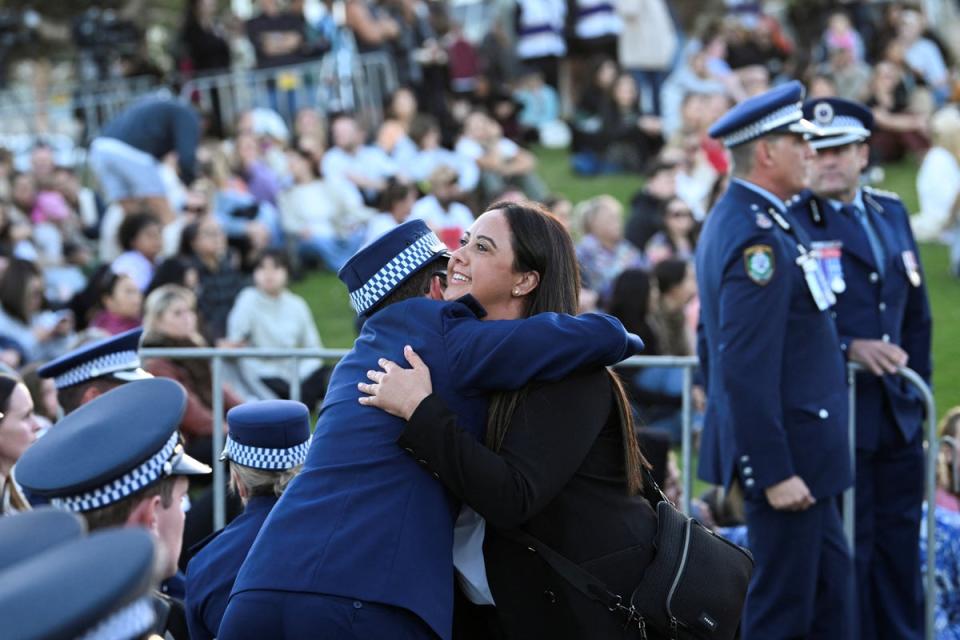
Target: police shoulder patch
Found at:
759, 262
882, 193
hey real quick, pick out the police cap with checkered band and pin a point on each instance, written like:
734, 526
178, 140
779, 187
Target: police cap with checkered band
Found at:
776, 111
114, 357
378, 269
840, 122
272, 435
110, 448
92, 588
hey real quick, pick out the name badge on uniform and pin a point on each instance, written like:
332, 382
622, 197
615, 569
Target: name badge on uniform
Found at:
828, 255
912, 267
823, 297
759, 262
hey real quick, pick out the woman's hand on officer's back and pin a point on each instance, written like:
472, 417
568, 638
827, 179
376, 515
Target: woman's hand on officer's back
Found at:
396, 390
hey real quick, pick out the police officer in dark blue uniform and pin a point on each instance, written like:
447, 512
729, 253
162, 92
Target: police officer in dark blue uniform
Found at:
92, 369
360, 545
85, 587
777, 393
266, 445
118, 461
868, 254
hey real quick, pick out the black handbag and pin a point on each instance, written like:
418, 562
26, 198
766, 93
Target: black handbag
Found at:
693, 589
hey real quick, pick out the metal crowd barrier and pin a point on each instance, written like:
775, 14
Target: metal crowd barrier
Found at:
687, 363
340, 81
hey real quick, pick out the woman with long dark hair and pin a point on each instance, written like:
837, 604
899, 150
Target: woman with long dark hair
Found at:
560, 461
18, 430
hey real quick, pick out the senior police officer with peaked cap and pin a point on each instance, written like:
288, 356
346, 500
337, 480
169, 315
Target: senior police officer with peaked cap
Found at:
118, 461
361, 542
95, 587
267, 443
867, 251
777, 396
92, 369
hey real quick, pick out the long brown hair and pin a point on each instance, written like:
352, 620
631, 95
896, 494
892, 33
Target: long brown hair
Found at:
541, 243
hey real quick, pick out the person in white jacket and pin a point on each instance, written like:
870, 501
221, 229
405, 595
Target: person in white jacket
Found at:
647, 47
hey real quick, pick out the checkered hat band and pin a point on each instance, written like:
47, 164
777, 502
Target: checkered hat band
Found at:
384, 281
263, 458
109, 363
144, 474
131, 621
774, 120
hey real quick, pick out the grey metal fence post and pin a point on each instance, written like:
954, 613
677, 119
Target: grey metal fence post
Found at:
295, 379
219, 496
849, 496
687, 438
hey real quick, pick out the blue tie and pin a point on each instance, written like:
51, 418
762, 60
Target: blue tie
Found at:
875, 245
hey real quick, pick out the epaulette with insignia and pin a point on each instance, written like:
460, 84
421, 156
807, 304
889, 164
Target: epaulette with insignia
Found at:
762, 220
881, 193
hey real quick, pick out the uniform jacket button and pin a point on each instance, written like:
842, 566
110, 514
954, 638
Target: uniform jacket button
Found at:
882, 306
874, 276
408, 449
824, 414
550, 596
748, 483
436, 476
748, 471
744, 459
422, 461
886, 337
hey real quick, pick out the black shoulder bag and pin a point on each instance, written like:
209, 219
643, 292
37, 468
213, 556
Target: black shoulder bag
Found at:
693, 589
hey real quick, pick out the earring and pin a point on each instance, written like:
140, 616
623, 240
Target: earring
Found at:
516, 292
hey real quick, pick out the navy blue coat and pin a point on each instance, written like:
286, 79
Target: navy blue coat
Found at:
364, 519
214, 567
777, 394
872, 307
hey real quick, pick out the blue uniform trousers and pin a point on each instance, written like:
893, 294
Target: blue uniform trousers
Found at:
254, 614
806, 593
889, 498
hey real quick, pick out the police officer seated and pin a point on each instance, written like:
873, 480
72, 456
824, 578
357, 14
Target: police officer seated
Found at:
267, 443
90, 370
118, 462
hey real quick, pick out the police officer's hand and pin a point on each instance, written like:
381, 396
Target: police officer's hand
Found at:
877, 356
790, 495
396, 390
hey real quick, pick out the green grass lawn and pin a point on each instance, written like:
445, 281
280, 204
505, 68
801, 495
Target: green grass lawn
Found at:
328, 298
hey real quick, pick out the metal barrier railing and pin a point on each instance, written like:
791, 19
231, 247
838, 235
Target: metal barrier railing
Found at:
687, 363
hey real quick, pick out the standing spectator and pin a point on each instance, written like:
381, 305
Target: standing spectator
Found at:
170, 320
121, 302
324, 216
938, 181
540, 43
678, 239
364, 166
396, 204
647, 205
126, 156
647, 47
277, 35
268, 315
440, 210
372, 26
774, 370
41, 335
204, 39
220, 279
602, 252
141, 241
18, 430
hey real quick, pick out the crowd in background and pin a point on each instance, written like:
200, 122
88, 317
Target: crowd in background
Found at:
631, 91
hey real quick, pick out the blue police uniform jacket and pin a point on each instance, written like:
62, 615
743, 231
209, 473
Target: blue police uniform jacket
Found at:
878, 304
363, 519
777, 394
214, 567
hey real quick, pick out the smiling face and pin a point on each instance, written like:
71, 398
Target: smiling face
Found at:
483, 267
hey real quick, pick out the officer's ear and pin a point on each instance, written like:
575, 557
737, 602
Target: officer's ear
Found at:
863, 156
144, 514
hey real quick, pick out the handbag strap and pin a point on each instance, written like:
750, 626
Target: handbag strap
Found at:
581, 579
